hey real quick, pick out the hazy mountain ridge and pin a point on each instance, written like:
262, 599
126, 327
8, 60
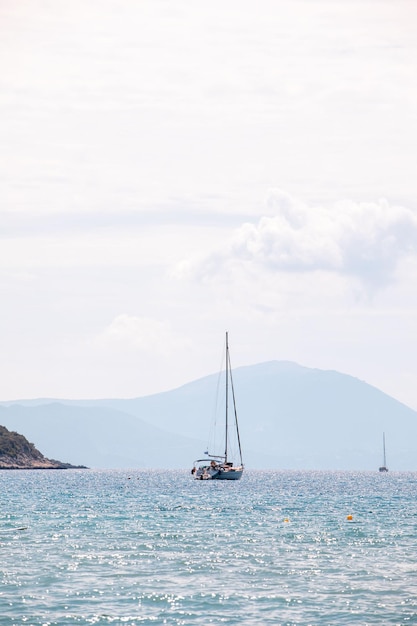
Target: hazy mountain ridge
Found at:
291, 417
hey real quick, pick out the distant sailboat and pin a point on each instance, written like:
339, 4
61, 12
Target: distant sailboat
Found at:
219, 466
383, 467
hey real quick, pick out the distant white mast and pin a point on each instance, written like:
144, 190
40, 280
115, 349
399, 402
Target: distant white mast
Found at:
383, 446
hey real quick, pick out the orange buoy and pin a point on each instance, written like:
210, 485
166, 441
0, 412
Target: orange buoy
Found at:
349, 518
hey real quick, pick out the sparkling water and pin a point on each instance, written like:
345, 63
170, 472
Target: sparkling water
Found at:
154, 547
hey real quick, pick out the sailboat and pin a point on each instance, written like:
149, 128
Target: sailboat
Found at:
221, 467
383, 467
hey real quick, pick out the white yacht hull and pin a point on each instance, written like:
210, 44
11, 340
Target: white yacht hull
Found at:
229, 475
216, 473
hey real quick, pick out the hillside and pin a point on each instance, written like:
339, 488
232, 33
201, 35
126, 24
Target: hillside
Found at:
17, 453
291, 417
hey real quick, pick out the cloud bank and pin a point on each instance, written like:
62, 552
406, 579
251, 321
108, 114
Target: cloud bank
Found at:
365, 240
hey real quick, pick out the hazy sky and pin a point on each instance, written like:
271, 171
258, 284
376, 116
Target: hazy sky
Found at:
172, 170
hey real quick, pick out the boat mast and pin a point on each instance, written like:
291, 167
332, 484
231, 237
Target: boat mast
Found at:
235, 410
229, 377
227, 395
383, 447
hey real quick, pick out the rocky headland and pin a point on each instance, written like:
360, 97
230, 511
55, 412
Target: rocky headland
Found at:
17, 453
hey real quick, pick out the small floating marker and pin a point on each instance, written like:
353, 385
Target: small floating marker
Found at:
349, 518
286, 520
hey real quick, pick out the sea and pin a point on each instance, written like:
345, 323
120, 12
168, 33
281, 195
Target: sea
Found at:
139, 547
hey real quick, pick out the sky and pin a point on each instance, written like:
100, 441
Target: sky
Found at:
173, 170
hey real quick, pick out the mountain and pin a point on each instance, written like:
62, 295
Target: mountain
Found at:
290, 416
17, 453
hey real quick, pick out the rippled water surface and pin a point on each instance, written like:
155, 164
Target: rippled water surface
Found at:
150, 547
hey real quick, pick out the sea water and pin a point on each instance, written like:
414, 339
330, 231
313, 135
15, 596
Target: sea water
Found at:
157, 547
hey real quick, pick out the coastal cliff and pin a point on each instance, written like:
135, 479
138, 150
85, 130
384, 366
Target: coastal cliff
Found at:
17, 453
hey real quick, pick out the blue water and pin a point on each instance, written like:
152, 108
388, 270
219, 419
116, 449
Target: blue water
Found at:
148, 547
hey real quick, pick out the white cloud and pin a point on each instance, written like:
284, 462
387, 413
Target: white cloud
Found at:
365, 240
137, 334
